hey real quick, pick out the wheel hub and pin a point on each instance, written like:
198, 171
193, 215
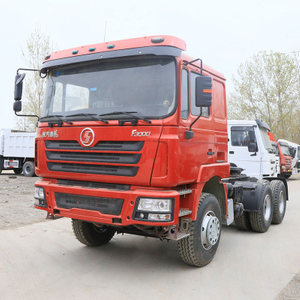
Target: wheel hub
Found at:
281, 202
267, 207
210, 230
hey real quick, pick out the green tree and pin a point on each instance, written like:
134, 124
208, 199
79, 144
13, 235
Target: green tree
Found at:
268, 88
38, 46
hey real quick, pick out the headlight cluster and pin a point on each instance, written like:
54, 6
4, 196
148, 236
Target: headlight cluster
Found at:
40, 197
150, 209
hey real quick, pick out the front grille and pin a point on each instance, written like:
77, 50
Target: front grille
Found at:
108, 206
93, 169
94, 185
70, 156
121, 158
102, 145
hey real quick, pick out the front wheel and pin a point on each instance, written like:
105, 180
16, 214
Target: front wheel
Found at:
92, 235
200, 247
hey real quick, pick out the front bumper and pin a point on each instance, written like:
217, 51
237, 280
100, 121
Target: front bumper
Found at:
102, 205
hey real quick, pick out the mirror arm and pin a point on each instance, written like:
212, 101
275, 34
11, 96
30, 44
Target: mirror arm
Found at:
190, 62
24, 69
27, 116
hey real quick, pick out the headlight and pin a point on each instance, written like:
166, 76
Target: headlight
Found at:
39, 193
40, 197
158, 205
154, 210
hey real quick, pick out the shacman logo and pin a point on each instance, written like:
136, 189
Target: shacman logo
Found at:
137, 133
87, 137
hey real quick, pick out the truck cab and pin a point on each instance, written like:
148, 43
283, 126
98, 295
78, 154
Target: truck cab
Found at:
294, 151
285, 159
250, 148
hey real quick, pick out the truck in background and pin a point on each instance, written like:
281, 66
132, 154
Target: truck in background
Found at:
17, 151
250, 148
276, 151
133, 139
294, 150
283, 155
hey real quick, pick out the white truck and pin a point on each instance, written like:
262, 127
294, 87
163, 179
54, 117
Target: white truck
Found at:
250, 148
17, 151
295, 154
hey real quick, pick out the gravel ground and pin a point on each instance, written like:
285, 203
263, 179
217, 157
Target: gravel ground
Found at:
16, 201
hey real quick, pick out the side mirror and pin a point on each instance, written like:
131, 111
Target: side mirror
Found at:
19, 86
252, 147
203, 91
17, 106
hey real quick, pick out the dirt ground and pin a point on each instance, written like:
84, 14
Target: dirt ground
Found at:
16, 201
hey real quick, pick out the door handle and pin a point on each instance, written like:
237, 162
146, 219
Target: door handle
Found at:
231, 152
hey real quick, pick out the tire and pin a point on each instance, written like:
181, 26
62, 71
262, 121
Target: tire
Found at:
18, 171
28, 169
243, 222
199, 248
279, 201
91, 235
261, 221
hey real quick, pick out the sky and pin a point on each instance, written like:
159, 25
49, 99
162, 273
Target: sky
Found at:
222, 33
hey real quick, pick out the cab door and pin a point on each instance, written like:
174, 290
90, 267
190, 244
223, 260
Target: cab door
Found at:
241, 140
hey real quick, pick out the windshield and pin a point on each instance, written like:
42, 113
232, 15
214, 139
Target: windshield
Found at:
144, 86
266, 140
285, 150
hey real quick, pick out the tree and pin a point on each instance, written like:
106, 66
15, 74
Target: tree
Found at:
268, 89
39, 45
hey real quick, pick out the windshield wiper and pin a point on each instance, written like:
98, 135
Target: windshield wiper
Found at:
60, 117
88, 115
126, 113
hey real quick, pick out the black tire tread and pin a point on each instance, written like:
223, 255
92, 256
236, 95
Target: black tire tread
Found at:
243, 222
257, 217
186, 245
84, 234
276, 185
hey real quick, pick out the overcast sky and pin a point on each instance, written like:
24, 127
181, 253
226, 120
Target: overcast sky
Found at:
222, 33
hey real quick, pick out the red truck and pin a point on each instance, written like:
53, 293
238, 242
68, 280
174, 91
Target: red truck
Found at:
133, 139
285, 160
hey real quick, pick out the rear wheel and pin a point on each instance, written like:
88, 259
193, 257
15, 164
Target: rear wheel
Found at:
28, 169
92, 235
243, 222
200, 247
279, 198
261, 221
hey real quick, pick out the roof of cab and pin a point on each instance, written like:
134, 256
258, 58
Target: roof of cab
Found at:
148, 41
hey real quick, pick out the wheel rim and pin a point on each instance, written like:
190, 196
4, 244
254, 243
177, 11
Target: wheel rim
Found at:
27, 169
267, 207
210, 230
281, 202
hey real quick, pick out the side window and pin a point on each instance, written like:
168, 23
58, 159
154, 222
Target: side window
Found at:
194, 109
185, 94
242, 136
77, 97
